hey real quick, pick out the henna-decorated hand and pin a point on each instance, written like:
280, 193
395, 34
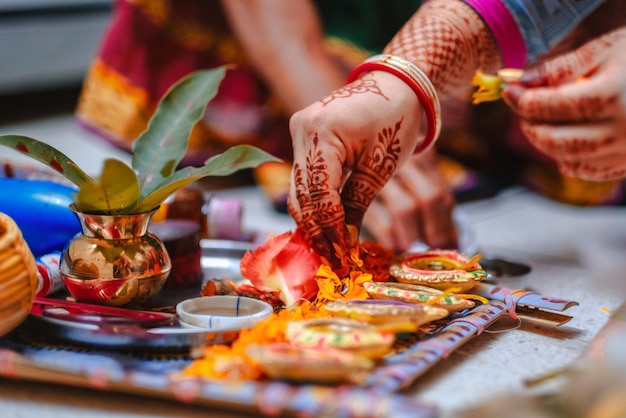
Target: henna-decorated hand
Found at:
346, 147
415, 205
574, 108
349, 144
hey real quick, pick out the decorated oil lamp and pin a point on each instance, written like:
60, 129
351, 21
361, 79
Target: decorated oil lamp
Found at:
441, 269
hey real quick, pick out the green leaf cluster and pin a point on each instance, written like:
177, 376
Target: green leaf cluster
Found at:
157, 152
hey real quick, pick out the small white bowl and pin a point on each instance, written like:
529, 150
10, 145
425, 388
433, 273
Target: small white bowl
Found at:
222, 313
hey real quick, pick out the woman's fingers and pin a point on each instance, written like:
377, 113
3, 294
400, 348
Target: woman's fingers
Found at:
394, 217
593, 151
608, 167
588, 140
382, 156
578, 115
566, 68
585, 100
581, 63
587, 84
426, 185
315, 203
416, 205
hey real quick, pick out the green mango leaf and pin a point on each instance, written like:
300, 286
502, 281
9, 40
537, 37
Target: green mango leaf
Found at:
154, 174
46, 154
230, 161
160, 148
116, 191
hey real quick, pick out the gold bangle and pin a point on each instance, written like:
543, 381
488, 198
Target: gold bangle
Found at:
419, 82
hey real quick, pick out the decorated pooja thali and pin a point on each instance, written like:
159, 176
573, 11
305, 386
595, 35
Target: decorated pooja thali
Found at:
264, 342
269, 327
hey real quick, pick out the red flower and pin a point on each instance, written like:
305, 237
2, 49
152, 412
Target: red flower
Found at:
285, 263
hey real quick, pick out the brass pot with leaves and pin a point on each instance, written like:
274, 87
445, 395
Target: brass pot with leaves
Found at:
115, 260
112, 264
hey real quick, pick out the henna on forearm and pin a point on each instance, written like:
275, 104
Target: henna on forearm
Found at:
449, 41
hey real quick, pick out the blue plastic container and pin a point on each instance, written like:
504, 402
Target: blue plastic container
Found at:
40, 208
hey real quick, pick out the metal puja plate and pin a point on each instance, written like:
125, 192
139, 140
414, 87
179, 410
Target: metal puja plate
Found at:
123, 337
220, 259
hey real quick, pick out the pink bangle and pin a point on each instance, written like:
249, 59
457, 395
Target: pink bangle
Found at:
419, 82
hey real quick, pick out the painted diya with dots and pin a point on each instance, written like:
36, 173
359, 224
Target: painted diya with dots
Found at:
417, 294
441, 269
386, 315
340, 333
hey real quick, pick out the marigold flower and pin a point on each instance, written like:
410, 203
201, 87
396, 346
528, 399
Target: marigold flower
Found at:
328, 283
354, 286
331, 287
489, 87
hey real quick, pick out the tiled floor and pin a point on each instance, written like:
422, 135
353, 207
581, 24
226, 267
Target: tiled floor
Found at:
575, 253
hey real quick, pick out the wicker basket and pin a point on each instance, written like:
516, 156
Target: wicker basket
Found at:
18, 275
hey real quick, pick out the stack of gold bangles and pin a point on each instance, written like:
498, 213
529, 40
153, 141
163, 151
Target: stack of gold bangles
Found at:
415, 78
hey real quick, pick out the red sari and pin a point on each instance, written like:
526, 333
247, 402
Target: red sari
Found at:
148, 46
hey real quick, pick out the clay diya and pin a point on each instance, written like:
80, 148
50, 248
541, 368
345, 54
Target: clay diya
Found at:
440, 269
386, 315
417, 294
342, 334
304, 364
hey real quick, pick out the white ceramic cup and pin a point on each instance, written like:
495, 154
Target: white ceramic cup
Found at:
222, 313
